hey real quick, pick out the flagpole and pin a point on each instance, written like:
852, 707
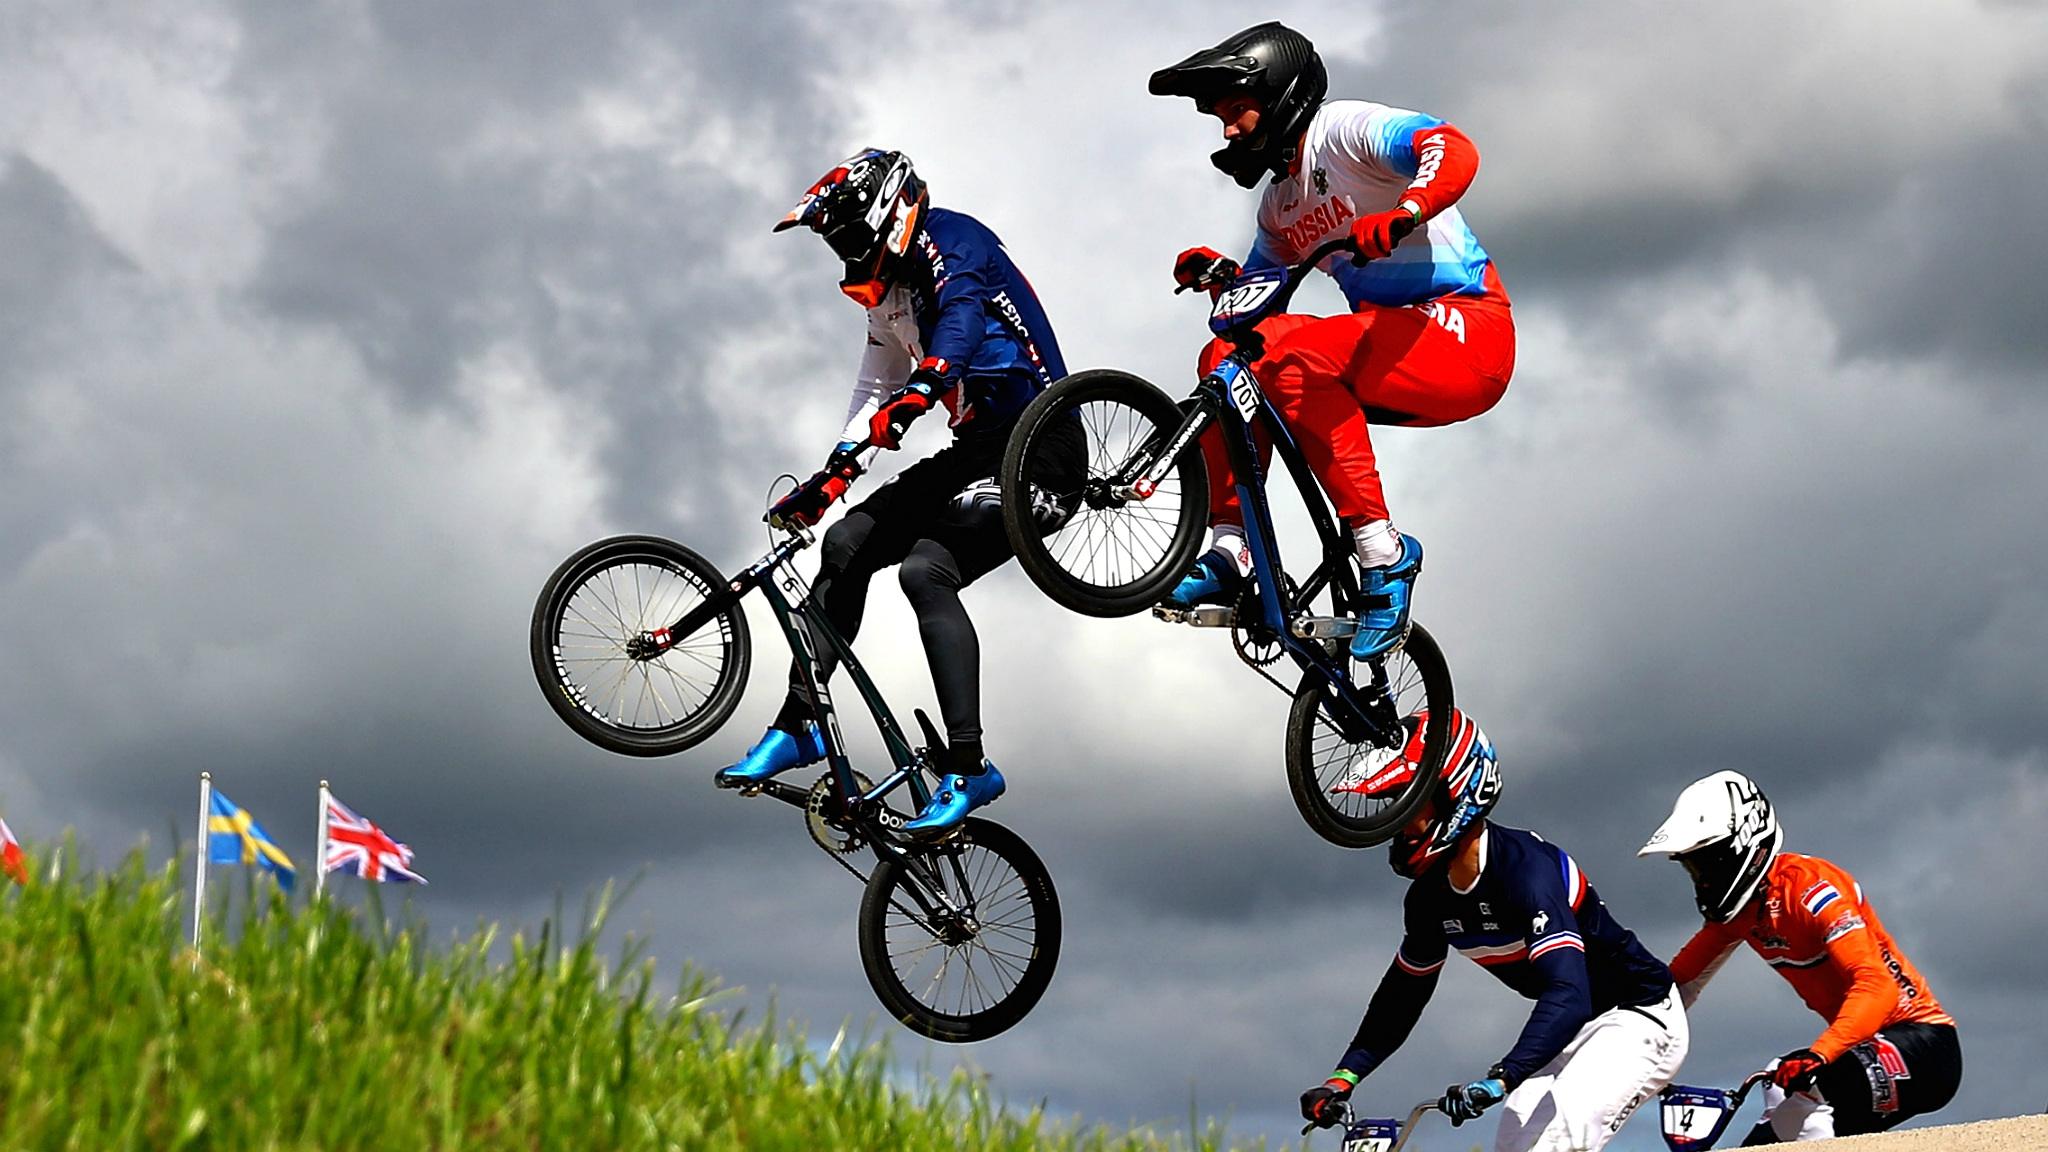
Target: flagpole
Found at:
199, 885
320, 846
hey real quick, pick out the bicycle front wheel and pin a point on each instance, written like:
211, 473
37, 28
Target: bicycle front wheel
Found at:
1085, 546
960, 940
587, 621
1345, 785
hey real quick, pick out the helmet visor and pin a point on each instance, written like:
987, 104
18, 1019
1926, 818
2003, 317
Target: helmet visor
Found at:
852, 241
1713, 870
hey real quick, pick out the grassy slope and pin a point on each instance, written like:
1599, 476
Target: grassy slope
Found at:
308, 1030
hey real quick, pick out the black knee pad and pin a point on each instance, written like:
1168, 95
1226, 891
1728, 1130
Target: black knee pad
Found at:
842, 540
924, 577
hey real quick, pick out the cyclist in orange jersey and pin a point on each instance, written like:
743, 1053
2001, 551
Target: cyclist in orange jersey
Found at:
1889, 1052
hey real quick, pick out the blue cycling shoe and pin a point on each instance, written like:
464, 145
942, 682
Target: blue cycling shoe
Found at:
776, 751
1214, 580
1386, 623
961, 795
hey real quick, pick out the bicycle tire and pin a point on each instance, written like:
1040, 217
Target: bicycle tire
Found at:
701, 677
1034, 969
1132, 414
1312, 737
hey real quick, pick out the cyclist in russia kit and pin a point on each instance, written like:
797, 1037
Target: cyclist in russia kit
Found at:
1889, 1051
952, 323
1430, 338
1607, 1031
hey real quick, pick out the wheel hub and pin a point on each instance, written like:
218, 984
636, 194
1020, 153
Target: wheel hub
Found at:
1100, 496
955, 931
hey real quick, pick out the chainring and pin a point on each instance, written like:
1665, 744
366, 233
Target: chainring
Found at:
1256, 644
831, 836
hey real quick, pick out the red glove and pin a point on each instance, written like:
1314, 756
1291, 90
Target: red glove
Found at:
887, 426
1204, 268
807, 505
1376, 233
1796, 1070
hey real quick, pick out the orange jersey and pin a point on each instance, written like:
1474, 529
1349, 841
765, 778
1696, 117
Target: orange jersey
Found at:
1809, 921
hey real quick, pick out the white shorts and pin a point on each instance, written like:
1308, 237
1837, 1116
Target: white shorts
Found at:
1577, 1102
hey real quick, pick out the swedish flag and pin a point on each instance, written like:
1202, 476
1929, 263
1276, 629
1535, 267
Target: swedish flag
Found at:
234, 837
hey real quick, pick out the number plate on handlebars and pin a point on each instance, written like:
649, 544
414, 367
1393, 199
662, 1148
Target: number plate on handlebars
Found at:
1245, 299
1695, 1117
1371, 1135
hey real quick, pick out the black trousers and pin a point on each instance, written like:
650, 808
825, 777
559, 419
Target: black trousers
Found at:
1907, 1070
941, 521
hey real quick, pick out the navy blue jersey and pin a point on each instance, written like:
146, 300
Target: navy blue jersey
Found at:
1532, 920
961, 308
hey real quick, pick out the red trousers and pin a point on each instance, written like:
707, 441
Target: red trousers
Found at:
1330, 376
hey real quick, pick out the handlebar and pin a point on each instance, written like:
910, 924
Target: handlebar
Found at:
1755, 1078
1343, 1115
1343, 243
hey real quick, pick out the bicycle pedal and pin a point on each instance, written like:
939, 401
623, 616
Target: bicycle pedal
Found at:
1210, 617
1324, 627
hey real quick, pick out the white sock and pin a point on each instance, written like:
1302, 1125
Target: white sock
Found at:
1377, 543
1228, 543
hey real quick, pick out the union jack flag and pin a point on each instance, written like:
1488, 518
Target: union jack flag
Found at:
359, 848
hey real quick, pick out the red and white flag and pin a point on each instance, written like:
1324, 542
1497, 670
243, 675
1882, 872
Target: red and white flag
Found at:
11, 861
354, 846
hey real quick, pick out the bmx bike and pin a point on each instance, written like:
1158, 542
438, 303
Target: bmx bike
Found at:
1136, 520
642, 648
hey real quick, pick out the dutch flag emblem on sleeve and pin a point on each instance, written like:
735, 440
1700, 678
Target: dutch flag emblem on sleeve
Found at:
1818, 897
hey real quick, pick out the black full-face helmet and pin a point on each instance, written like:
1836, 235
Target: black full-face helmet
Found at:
869, 210
1270, 63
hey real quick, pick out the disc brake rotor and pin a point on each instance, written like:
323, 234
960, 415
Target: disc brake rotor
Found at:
832, 835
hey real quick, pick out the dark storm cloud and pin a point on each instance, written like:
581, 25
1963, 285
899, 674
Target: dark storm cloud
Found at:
1887, 163
465, 198
495, 280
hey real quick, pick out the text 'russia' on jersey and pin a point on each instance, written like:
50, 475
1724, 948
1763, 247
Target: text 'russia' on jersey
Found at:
1358, 157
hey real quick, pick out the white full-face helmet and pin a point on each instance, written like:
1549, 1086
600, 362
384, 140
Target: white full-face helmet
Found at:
1723, 830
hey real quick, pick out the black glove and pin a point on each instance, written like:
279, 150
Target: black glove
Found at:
1320, 1104
1467, 1102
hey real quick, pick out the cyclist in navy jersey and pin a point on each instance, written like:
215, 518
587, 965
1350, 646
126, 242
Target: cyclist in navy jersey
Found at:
1607, 1031
950, 322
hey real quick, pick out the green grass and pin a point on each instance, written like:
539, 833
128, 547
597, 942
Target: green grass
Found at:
316, 1026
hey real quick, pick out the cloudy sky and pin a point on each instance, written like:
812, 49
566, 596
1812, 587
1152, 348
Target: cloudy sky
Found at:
326, 330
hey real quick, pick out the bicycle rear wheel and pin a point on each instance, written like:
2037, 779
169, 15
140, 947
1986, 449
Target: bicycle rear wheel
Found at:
960, 939
601, 600
1086, 547
1339, 783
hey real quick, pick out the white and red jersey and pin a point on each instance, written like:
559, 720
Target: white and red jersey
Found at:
1358, 158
